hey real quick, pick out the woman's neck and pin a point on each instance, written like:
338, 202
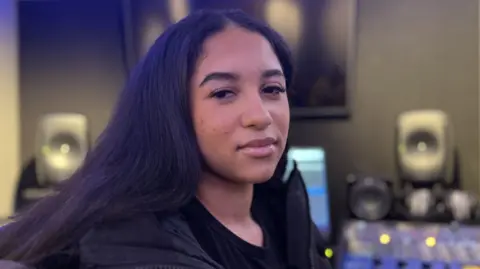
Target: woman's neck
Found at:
228, 201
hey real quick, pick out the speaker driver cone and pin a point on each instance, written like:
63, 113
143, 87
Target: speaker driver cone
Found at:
370, 199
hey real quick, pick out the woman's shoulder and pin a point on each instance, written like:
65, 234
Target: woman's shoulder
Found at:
146, 239
12, 265
142, 228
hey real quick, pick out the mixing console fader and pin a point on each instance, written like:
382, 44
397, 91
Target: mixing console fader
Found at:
392, 245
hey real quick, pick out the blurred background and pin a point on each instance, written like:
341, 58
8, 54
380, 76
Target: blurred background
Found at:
386, 108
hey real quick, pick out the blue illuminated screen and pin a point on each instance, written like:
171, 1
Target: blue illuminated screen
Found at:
311, 163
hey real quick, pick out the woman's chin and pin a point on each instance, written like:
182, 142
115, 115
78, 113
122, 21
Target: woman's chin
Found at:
256, 176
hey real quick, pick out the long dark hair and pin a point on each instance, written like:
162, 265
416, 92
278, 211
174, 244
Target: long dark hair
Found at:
147, 159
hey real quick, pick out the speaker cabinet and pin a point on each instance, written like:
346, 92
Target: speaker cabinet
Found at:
424, 147
369, 198
61, 146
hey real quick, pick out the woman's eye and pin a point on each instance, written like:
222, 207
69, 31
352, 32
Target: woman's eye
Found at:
273, 90
222, 94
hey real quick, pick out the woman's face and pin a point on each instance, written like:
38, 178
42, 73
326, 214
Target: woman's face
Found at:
239, 104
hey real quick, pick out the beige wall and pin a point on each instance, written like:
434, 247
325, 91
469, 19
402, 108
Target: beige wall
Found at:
9, 106
410, 55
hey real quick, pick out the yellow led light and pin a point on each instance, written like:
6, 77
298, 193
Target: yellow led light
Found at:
384, 239
328, 253
430, 241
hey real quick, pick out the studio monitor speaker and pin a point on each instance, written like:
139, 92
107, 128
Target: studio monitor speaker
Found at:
424, 147
369, 198
61, 146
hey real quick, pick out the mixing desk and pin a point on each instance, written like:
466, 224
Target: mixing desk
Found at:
392, 245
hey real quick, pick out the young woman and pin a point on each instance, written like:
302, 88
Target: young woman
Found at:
180, 176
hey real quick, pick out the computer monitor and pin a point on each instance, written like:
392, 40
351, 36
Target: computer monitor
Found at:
311, 163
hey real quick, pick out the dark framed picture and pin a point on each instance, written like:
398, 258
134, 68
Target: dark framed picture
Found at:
320, 33
324, 59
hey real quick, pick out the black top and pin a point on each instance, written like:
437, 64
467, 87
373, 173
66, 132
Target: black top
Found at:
166, 240
231, 251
